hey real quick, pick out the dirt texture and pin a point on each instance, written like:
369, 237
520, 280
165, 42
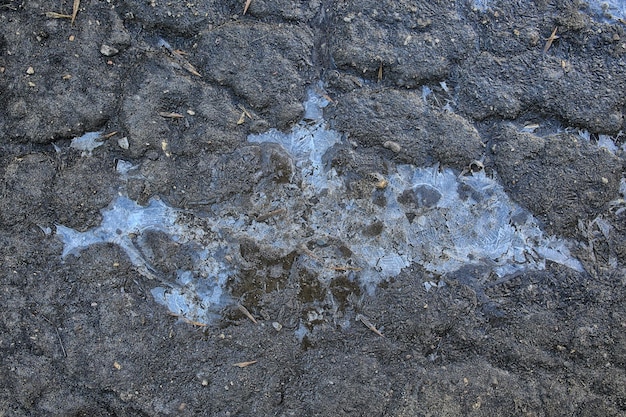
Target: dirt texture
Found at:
177, 87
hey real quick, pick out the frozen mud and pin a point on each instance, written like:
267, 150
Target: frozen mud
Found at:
191, 224
438, 219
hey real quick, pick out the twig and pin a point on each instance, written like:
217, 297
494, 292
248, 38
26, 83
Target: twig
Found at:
273, 213
55, 15
171, 115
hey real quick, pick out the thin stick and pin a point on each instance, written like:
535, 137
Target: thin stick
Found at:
368, 324
244, 364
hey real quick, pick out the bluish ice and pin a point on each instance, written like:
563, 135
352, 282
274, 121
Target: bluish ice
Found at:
433, 217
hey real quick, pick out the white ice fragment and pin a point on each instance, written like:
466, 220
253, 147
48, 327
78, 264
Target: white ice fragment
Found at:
307, 144
391, 264
123, 167
195, 294
556, 251
530, 127
87, 143
301, 332
162, 43
123, 219
606, 142
426, 91
192, 297
123, 142
584, 134
315, 103
448, 107
481, 5
604, 226
177, 302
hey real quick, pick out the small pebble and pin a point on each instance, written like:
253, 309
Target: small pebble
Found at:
392, 146
30, 71
107, 50
276, 325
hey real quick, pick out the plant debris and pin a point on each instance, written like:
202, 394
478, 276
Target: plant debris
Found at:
244, 364
368, 324
75, 10
246, 313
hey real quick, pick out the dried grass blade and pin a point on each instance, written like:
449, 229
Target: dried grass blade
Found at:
549, 41
244, 364
55, 15
368, 324
245, 8
75, 10
246, 313
170, 115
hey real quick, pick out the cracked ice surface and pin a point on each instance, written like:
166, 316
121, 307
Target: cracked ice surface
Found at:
428, 216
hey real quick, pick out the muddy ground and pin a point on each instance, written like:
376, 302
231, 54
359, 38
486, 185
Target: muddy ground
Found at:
84, 337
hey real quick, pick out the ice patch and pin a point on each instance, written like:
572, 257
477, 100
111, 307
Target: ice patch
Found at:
427, 216
430, 216
196, 295
605, 11
87, 142
608, 11
307, 143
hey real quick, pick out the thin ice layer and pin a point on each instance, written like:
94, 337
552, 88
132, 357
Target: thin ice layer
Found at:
87, 142
307, 144
608, 11
431, 217
426, 216
196, 295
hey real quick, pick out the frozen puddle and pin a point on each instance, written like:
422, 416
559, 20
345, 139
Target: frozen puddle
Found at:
428, 216
196, 293
603, 11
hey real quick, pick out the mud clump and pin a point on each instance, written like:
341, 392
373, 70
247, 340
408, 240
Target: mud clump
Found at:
562, 178
426, 134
